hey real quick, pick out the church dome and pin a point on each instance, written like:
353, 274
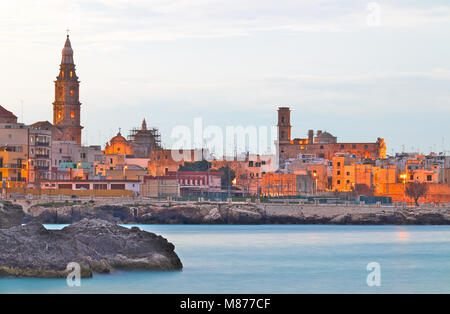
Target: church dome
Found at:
118, 138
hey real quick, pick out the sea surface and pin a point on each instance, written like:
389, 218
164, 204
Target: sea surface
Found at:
280, 259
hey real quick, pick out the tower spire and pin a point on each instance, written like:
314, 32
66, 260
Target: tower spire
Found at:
67, 52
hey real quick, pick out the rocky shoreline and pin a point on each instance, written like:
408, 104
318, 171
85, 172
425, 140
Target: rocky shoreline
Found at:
239, 213
10, 215
98, 246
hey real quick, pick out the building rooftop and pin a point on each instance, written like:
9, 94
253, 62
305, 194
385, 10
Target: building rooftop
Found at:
7, 116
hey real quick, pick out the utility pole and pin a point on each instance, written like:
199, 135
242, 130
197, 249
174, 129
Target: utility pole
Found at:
229, 182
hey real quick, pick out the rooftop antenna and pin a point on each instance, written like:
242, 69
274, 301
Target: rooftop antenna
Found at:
443, 145
21, 105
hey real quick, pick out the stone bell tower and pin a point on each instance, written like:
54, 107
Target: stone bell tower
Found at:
284, 124
66, 107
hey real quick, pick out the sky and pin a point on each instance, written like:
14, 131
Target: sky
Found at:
357, 69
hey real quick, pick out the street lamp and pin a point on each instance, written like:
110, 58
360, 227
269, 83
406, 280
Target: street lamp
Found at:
124, 169
403, 177
78, 171
315, 181
28, 171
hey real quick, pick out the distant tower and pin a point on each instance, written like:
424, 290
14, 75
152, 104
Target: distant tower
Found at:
284, 124
66, 108
311, 136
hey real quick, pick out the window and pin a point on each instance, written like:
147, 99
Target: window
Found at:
338, 181
321, 146
348, 173
353, 146
338, 173
117, 186
71, 92
348, 181
411, 177
342, 146
71, 73
59, 114
72, 114
429, 177
339, 164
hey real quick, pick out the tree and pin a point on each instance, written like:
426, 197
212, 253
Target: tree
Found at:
227, 178
416, 190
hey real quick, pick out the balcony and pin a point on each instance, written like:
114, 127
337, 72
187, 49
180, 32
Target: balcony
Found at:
42, 168
11, 166
16, 179
44, 144
42, 156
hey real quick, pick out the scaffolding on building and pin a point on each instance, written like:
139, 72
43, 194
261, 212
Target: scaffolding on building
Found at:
145, 133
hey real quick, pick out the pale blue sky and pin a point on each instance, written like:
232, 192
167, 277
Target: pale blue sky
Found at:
232, 62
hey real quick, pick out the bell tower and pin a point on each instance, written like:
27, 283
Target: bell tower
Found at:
66, 107
284, 124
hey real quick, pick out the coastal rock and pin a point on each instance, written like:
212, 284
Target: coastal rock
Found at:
238, 213
213, 214
96, 245
10, 215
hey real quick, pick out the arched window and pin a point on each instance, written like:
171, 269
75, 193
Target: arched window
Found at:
71, 92
71, 73
72, 114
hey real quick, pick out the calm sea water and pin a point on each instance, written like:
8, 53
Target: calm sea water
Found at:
280, 259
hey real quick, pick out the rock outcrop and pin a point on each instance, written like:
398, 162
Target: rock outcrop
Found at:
10, 215
96, 245
239, 213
